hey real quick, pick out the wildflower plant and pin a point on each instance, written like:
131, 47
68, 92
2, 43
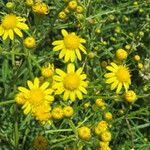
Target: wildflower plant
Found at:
74, 74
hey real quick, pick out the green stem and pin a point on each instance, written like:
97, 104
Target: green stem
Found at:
60, 130
7, 102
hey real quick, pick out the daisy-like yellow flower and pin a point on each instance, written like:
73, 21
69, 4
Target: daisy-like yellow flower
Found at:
36, 96
72, 83
119, 77
40, 8
11, 24
70, 46
40, 142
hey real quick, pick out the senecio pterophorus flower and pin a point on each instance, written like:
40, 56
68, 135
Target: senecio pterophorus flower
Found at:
119, 76
40, 8
36, 100
70, 46
72, 83
11, 24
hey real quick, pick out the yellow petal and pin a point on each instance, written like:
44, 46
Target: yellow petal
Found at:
78, 54
70, 68
22, 89
62, 53
110, 80
79, 94
114, 85
60, 72
49, 98
11, 34
114, 65
72, 56
109, 75
79, 71
1, 30
66, 95
67, 56
44, 85
22, 26
82, 48
36, 82
111, 68
5, 35
58, 47
83, 76
64, 32
57, 78
48, 91
82, 40
82, 89
126, 86
119, 87
27, 110
58, 42
30, 84
18, 32
72, 96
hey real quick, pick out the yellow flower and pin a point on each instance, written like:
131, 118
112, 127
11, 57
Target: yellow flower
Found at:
79, 9
101, 127
48, 71
68, 111
72, 4
108, 116
100, 102
10, 5
36, 96
86, 105
71, 83
29, 42
57, 113
29, 2
137, 58
40, 142
84, 133
40, 8
119, 76
140, 65
70, 46
103, 144
43, 114
62, 15
121, 54
105, 148
106, 136
130, 96
12, 24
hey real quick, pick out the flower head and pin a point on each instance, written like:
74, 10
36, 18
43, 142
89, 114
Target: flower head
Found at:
119, 76
72, 83
106, 136
121, 54
84, 133
40, 8
40, 142
68, 111
48, 71
57, 113
35, 97
29, 42
70, 46
130, 96
11, 24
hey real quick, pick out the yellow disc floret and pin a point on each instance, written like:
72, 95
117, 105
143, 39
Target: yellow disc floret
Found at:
68, 111
106, 136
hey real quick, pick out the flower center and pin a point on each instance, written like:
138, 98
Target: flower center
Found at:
123, 74
36, 97
71, 81
71, 41
9, 22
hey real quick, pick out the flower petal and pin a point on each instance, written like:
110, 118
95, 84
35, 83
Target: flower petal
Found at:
64, 32
70, 68
18, 32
